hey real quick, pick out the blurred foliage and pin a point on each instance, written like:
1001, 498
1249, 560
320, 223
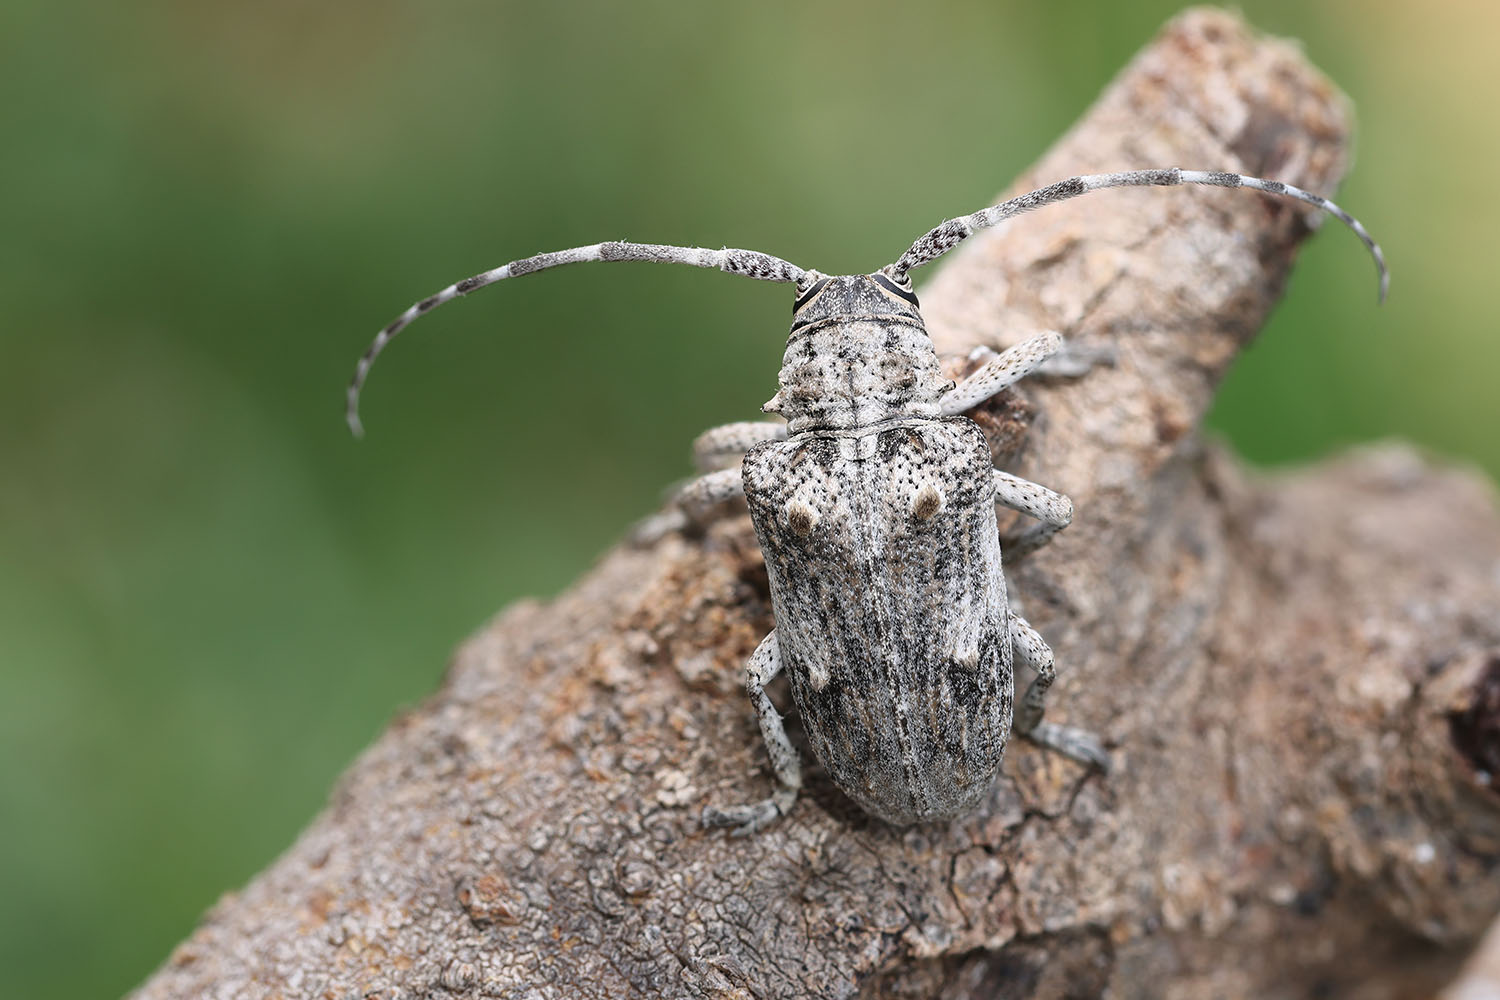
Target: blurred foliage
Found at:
211, 598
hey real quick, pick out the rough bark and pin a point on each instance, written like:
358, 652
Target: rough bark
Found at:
1299, 676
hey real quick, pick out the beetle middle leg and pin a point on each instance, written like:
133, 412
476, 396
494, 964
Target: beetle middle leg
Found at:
1054, 510
764, 664
691, 499
717, 453
1079, 744
725, 446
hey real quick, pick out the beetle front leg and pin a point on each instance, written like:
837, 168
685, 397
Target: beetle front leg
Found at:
1079, 744
1001, 371
764, 664
1045, 354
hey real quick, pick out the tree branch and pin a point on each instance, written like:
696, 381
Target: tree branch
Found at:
1298, 676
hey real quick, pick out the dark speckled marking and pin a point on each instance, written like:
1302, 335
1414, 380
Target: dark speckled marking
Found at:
1070, 188
1161, 178
526, 265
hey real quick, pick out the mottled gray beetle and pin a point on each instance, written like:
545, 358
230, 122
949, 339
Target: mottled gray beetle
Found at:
875, 504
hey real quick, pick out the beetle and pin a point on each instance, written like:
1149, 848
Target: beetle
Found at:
874, 505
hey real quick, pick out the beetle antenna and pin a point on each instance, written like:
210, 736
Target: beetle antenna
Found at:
749, 263
953, 232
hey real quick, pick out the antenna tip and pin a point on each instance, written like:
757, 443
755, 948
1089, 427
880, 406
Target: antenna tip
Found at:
356, 429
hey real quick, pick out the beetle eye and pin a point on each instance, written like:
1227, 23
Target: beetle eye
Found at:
899, 288
806, 294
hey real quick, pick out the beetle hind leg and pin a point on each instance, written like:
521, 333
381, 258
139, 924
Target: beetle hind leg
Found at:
752, 817
764, 664
1079, 744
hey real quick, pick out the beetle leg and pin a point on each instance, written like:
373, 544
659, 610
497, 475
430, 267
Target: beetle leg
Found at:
705, 491
719, 447
717, 452
694, 497
1076, 361
1046, 354
1054, 510
764, 664
1001, 372
1032, 651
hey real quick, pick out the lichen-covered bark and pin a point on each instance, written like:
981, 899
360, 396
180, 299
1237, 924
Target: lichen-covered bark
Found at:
1297, 675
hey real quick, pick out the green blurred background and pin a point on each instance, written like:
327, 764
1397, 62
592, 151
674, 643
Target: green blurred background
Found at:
211, 598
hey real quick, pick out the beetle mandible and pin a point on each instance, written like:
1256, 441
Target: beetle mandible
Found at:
874, 504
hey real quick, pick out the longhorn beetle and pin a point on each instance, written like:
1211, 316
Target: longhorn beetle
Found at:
874, 504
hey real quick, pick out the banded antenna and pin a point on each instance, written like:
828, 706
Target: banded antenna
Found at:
749, 263
954, 231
